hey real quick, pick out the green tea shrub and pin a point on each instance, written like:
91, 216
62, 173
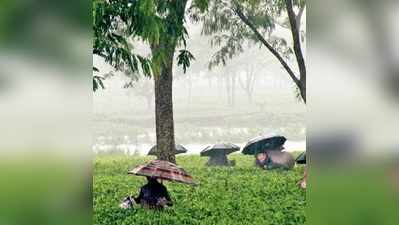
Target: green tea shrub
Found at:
242, 194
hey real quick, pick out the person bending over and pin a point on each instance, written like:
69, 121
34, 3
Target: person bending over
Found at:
153, 195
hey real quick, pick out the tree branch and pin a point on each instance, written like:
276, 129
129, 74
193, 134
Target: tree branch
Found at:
246, 20
297, 48
298, 17
296, 38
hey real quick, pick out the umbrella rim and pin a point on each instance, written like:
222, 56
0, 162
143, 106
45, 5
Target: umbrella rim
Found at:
185, 150
297, 160
264, 137
141, 166
209, 148
171, 180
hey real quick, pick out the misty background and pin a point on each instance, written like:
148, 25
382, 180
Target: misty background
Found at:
250, 96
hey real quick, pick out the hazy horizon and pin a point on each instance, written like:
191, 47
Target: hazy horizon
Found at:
202, 112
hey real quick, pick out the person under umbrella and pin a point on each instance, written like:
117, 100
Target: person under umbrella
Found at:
275, 160
260, 159
179, 149
259, 146
154, 195
302, 160
218, 154
264, 143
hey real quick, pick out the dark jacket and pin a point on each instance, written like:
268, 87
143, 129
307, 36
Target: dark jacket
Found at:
151, 193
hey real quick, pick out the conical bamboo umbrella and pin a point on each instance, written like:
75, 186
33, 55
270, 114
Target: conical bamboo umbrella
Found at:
264, 143
163, 170
218, 153
179, 149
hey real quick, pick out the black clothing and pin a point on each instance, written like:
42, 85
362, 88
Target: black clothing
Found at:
151, 193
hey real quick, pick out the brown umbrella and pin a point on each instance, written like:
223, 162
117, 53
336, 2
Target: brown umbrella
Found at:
163, 170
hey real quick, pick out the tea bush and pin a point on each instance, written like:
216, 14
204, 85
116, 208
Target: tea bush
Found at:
227, 196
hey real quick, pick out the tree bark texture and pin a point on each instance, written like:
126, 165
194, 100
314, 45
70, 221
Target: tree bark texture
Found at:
164, 107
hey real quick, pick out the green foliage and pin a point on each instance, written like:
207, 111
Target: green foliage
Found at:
114, 24
240, 195
98, 82
118, 23
184, 59
232, 35
202, 5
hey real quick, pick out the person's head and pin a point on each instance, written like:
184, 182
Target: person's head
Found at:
261, 157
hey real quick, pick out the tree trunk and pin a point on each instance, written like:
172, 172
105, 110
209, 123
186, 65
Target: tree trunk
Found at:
190, 85
249, 97
164, 107
228, 89
233, 90
297, 47
219, 85
248, 84
303, 87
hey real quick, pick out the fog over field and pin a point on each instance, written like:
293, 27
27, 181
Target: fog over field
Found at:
249, 96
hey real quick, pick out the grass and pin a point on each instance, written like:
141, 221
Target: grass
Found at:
240, 195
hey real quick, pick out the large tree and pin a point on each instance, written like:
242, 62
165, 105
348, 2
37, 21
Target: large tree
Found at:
160, 24
235, 23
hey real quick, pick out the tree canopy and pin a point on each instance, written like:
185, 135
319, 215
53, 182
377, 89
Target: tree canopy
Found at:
161, 24
118, 23
233, 24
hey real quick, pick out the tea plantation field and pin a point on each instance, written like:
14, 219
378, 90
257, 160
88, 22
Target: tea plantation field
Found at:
227, 196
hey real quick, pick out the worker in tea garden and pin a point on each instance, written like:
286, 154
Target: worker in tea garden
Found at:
302, 160
217, 154
153, 195
261, 159
275, 160
262, 146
